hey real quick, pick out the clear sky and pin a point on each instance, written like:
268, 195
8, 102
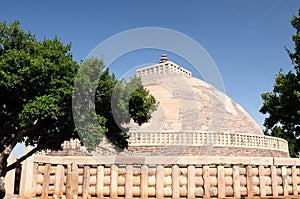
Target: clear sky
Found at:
246, 39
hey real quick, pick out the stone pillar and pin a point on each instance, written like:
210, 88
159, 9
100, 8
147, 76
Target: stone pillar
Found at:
274, 181
34, 179
59, 181
99, 183
206, 181
294, 181
86, 182
114, 181
10, 177
250, 191
72, 181
191, 181
129, 181
144, 181
175, 182
236, 181
46, 181
262, 183
26, 174
159, 181
221, 182
284, 181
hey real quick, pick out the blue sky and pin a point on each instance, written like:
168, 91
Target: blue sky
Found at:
246, 39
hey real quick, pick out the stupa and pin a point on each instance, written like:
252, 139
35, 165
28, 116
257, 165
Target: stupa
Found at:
195, 118
198, 144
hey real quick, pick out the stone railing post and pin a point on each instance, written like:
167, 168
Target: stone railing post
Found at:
59, 181
159, 189
100, 181
46, 181
236, 181
284, 181
224, 139
114, 181
144, 181
262, 183
249, 178
206, 179
175, 181
221, 182
72, 181
129, 181
86, 182
155, 138
10, 177
26, 175
202, 138
294, 181
191, 181
274, 181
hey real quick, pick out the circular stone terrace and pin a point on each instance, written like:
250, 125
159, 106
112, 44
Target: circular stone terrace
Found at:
195, 118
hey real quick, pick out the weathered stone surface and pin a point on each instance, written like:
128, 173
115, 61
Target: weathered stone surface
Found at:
193, 104
204, 150
69, 152
190, 104
106, 148
284, 161
129, 160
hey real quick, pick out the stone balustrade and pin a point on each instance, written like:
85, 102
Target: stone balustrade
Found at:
159, 177
202, 138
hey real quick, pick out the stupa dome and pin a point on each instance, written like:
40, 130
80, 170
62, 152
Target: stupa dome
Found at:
193, 117
188, 103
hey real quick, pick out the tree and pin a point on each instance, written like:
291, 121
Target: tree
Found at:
283, 104
129, 100
36, 82
116, 103
36, 91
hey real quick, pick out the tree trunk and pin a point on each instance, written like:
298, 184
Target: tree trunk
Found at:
3, 168
2, 178
2, 187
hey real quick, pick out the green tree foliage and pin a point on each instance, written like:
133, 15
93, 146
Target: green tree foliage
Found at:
130, 100
283, 104
36, 92
91, 126
36, 83
116, 103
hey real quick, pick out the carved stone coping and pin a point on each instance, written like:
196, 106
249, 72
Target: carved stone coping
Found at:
166, 160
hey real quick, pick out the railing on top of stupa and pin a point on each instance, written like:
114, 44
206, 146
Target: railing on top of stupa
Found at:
200, 138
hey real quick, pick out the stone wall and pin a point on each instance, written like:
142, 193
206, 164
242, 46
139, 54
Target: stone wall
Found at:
159, 177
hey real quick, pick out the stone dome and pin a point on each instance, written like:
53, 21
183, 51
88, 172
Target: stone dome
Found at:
188, 103
195, 118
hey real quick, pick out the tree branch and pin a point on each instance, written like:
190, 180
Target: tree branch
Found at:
22, 133
20, 160
30, 153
